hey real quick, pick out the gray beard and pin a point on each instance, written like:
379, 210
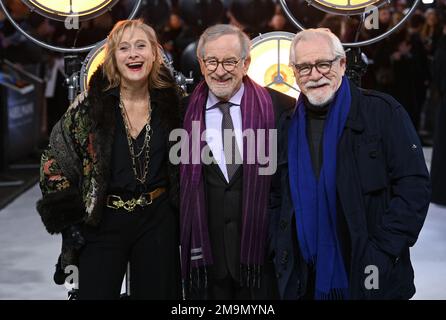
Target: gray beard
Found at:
320, 105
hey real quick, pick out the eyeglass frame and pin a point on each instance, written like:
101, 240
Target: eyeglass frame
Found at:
314, 65
221, 62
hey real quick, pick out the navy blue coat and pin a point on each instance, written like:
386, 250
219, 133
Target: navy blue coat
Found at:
383, 194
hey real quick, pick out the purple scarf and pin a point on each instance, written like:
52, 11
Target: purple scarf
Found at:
257, 113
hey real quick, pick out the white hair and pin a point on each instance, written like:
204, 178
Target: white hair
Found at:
220, 30
311, 34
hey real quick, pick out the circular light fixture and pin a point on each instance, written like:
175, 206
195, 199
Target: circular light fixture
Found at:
91, 63
269, 62
49, 8
347, 7
351, 3
61, 9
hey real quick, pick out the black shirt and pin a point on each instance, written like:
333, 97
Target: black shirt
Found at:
122, 178
316, 117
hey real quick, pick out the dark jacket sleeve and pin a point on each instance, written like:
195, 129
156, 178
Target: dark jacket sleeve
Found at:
410, 186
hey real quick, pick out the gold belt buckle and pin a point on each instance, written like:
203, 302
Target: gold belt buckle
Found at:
130, 205
117, 203
114, 202
142, 200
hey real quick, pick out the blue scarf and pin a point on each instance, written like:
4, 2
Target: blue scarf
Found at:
315, 200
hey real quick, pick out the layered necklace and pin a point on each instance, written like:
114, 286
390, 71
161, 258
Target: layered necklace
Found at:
144, 167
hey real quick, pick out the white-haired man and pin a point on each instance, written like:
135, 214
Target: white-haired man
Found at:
352, 189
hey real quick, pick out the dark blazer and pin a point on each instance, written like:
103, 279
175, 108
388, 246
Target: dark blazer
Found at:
224, 207
383, 194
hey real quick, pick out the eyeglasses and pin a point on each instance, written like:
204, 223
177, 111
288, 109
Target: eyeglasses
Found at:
228, 65
323, 67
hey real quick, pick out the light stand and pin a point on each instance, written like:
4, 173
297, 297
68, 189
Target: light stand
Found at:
357, 61
72, 66
356, 64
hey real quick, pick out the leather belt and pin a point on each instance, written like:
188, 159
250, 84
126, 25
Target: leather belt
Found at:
116, 202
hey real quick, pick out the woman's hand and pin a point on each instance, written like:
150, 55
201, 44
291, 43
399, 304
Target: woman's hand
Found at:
72, 237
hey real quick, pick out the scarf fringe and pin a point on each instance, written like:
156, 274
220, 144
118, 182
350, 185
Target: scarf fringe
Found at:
198, 278
250, 276
197, 282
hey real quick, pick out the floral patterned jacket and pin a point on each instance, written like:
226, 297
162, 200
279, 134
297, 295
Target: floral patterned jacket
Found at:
75, 168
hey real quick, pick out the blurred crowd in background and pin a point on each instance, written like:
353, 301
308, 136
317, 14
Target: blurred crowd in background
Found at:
408, 64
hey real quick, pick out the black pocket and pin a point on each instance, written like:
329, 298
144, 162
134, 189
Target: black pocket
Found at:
371, 165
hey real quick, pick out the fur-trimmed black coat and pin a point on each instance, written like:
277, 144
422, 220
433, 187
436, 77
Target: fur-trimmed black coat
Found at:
75, 169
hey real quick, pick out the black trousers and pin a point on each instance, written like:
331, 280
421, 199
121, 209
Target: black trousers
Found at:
147, 238
228, 288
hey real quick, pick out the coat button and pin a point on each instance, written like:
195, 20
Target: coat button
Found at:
227, 221
373, 154
284, 258
283, 224
278, 275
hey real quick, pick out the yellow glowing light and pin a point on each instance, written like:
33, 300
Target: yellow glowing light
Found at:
269, 63
285, 72
93, 61
345, 6
60, 9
